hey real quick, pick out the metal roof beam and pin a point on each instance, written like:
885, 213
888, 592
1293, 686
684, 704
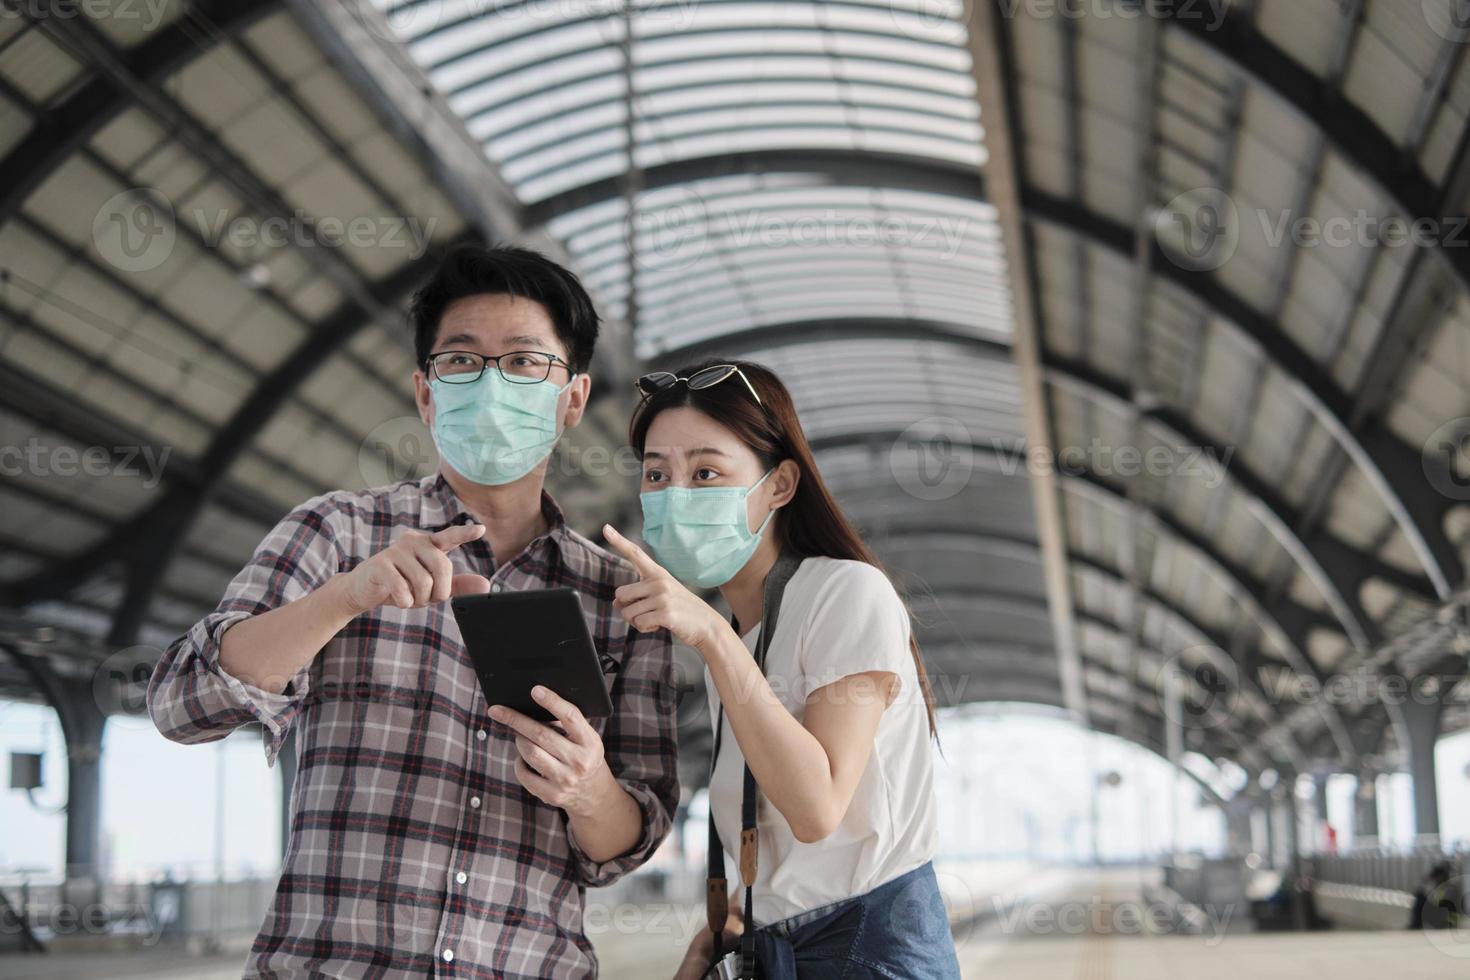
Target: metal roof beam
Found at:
29, 397
1348, 129
1295, 620
355, 36
66, 126
838, 168
1387, 462
1337, 568
990, 57
147, 542
87, 43
1325, 558
1391, 466
1033, 682
1247, 671
1292, 622
778, 335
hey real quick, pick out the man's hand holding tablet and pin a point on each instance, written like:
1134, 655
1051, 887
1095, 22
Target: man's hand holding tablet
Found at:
564, 768
526, 646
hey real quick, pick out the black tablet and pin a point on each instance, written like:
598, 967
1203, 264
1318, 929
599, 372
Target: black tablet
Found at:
517, 640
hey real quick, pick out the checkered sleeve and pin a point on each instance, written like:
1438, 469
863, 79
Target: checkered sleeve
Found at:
639, 743
191, 698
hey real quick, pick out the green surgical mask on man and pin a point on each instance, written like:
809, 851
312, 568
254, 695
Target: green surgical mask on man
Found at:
494, 431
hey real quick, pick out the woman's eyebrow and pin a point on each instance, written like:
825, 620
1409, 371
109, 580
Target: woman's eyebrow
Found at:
701, 451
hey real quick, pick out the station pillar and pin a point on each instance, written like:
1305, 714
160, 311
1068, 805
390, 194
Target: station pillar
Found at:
1416, 721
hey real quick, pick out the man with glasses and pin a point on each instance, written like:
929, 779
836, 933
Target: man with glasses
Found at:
432, 833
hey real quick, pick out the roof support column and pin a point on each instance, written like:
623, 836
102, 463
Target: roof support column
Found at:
83, 780
1272, 835
1416, 721
82, 724
1320, 821
1365, 805
989, 48
1291, 816
1238, 827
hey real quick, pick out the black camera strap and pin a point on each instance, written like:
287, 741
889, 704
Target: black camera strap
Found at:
717, 903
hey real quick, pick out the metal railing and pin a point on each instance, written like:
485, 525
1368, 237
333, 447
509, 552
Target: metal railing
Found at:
55, 910
1391, 866
1373, 885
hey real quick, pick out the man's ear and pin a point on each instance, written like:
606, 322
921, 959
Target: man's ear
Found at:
786, 477
576, 395
423, 398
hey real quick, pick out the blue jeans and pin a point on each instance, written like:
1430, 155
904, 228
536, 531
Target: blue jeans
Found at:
898, 931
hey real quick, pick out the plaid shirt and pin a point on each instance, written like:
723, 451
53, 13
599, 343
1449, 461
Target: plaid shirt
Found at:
414, 850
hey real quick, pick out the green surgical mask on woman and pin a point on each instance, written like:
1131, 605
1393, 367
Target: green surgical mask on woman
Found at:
701, 535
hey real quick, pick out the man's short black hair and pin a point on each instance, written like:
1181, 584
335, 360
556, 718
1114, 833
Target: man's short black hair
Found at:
474, 270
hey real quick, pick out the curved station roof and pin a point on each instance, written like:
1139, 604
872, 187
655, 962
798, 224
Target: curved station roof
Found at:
1045, 287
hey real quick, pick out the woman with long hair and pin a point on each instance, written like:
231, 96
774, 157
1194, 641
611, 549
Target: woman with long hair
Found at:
834, 726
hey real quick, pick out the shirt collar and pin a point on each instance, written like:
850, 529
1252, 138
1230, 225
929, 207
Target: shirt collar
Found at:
442, 507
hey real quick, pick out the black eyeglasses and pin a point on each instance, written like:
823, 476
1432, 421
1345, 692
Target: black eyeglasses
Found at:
652, 384
520, 367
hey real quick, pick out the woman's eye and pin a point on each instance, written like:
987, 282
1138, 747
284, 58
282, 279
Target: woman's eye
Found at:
653, 476
704, 473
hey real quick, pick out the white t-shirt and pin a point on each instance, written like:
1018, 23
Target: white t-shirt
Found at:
838, 617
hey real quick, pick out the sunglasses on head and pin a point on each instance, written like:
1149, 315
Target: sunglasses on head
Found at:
652, 384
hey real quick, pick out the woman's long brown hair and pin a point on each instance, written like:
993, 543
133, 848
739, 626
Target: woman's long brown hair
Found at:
811, 524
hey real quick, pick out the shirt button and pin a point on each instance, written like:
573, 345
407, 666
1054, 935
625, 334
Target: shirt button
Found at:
461, 877
475, 802
496, 587
480, 735
448, 955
